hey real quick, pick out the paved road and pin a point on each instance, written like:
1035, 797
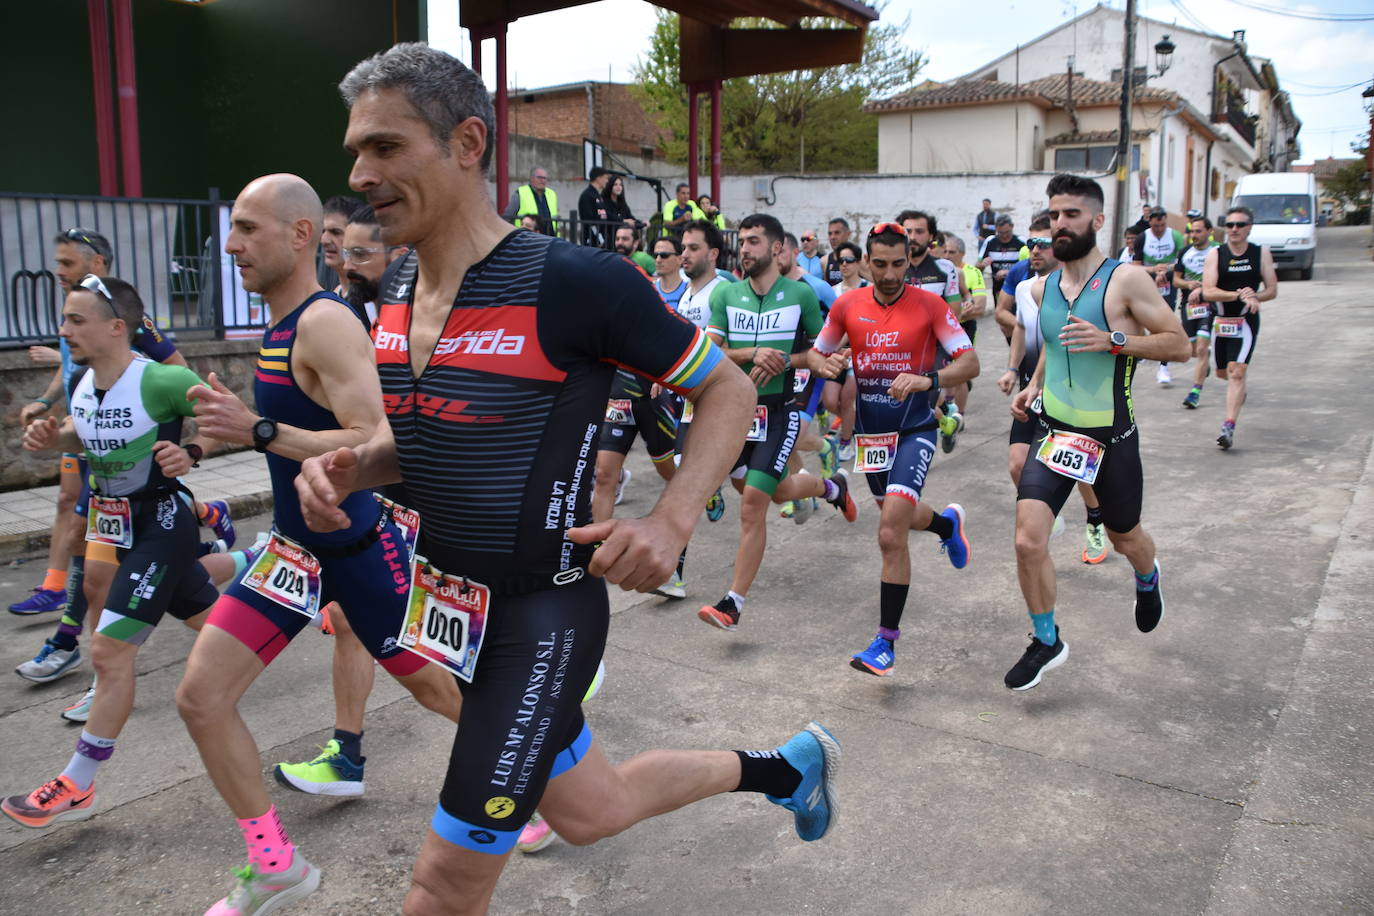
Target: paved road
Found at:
1220, 765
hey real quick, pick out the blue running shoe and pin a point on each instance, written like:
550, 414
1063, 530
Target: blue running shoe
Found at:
956, 545
815, 753
877, 659
715, 506
40, 602
217, 520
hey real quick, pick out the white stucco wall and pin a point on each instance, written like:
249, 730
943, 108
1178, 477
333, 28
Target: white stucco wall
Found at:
973, 138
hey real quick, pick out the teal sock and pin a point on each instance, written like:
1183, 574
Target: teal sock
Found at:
1146, 583
241, 562
1044, 627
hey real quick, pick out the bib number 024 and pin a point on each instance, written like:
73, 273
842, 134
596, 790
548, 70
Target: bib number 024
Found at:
286, 573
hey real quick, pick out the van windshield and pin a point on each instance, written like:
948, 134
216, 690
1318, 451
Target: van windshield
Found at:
1278, 208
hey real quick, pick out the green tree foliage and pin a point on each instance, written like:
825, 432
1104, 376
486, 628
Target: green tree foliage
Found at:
1350, 185
782, 122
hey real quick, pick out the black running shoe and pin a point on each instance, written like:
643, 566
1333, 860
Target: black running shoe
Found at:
1149, 606
1038, 659
724, 614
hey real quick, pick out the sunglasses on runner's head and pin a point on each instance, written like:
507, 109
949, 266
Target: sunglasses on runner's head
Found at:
885, 228
92, 284
1039, 242
849, 259
93, 240
1235, 225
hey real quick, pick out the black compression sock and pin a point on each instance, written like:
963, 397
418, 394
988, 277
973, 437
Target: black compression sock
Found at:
350, 745
681, 562
767, 772
941, 526
1094, 515
891, 603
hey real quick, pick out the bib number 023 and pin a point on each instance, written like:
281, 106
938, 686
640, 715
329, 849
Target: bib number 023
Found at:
109, 520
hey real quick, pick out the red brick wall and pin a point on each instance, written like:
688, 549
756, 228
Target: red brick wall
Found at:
620, 122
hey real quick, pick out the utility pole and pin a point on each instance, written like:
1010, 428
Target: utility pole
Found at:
1123, 145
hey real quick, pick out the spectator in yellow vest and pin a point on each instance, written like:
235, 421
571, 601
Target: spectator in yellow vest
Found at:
534, 199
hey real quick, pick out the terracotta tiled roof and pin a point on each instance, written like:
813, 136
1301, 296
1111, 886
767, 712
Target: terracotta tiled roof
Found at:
967, 92
1048, 92
1093, 136
1326, 168
1088, 92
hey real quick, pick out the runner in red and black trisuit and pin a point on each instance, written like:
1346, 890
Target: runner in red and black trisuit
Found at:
496, 350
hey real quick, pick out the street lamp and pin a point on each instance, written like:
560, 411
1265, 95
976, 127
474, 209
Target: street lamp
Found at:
1164, 50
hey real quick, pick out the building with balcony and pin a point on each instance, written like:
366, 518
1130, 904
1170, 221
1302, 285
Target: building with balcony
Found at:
1215, 114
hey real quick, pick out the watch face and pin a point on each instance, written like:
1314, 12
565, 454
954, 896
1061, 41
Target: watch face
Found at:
264, 429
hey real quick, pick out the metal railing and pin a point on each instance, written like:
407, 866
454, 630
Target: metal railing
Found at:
171, 250
601, 234
167, 248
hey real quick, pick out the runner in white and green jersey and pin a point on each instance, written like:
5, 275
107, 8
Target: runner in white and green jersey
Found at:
766, 323
1196, 313
1157, 248
126, 414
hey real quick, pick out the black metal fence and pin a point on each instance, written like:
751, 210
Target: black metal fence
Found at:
172, 251
168, 249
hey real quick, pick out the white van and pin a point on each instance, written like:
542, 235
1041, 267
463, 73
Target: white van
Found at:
1285, 207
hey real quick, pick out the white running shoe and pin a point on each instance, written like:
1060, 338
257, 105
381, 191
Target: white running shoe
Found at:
625, 476
1163, 376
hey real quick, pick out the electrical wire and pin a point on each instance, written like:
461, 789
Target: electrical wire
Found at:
1313, 95
1316, 17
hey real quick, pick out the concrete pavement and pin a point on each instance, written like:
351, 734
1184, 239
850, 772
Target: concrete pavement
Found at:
1219, 765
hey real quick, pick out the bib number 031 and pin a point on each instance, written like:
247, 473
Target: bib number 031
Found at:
1072, 455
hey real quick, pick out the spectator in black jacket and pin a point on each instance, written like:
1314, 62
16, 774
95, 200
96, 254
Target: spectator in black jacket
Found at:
591, 208
617, 207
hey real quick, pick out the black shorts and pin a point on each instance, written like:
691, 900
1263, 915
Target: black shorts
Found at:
1120, 485
159, 574
971, 329
521, 723
656, 419
1023, 432
763, 465
1237, 349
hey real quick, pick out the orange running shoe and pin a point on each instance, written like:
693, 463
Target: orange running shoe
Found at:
54, 801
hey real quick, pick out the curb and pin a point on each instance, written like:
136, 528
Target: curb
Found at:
25, 544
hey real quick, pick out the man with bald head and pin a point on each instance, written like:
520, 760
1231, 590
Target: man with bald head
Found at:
316, 390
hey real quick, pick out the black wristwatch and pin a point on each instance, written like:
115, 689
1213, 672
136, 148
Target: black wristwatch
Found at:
934, 379
264, 431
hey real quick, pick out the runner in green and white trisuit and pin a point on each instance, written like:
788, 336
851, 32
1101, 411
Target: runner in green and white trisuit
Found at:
1193, 309
126, 415
765, 324
1157, 248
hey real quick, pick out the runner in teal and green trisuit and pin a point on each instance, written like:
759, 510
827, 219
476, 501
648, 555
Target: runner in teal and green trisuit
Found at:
1097, 320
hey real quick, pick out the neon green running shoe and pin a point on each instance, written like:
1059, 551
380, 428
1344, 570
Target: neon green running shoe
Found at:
330, 773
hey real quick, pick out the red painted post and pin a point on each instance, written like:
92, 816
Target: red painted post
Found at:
103, 90
502, 120
127, 78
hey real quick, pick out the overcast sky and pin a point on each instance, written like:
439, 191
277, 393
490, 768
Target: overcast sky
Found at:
1314, 59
